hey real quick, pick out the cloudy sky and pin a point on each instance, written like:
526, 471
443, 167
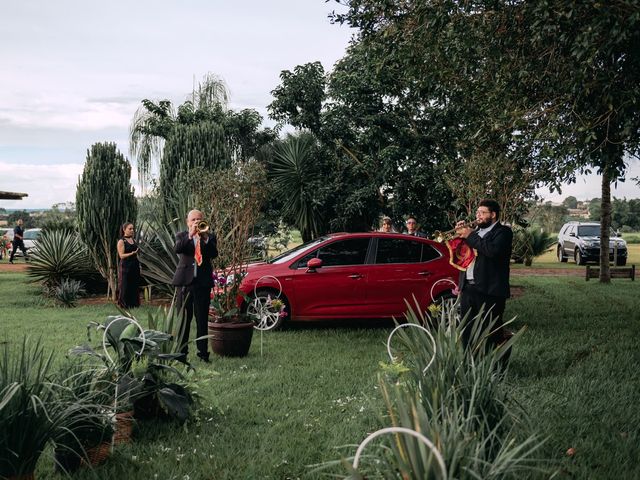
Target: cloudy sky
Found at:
74, 72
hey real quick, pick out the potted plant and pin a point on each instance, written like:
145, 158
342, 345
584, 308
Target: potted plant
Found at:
29, 409
85, 433
233, 200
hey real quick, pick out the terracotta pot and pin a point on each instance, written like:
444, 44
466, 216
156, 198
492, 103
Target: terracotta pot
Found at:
124, 428
230, 339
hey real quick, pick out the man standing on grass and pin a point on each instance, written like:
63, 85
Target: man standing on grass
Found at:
193, 281
18, 241
486, 281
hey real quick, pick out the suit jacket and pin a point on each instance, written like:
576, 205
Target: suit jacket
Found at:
186, 249
491, 269
417, 234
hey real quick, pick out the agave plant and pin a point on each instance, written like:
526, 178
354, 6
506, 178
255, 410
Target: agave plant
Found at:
61, 255
530, 243
68, 292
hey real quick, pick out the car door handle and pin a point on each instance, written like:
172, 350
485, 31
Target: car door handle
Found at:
355, 275
425, 274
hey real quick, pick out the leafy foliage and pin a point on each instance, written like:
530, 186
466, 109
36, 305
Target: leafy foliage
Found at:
62, 256
104, 201
68, 292
294, 171
530, 243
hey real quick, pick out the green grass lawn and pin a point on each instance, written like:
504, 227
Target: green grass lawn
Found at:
313, 388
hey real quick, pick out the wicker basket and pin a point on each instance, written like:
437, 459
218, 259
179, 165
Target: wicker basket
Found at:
124, 428
98, 454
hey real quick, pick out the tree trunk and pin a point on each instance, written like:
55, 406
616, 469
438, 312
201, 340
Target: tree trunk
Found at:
605, 227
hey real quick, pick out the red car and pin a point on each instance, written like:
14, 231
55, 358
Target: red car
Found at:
352, 275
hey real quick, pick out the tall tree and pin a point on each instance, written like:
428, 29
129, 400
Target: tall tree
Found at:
556, 80
104, 201
155, 122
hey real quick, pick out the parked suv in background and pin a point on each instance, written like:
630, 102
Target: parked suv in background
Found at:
581, 241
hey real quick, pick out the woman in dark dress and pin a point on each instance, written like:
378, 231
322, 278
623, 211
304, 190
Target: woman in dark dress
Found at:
128, 268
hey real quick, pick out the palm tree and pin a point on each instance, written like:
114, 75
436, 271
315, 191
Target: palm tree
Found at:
153, 122
291, 169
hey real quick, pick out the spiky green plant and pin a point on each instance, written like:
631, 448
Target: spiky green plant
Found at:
530, 243
61, 255
104, 201
68, 292
33, 408
456, 398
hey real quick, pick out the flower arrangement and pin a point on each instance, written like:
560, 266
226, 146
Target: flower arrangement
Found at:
224, 296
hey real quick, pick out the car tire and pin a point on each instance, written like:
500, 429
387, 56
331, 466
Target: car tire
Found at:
267, 320
579, 258
621, 262
561, 257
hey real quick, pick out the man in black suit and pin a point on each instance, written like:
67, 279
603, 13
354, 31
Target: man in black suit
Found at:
486, 281
193, 281
412, 228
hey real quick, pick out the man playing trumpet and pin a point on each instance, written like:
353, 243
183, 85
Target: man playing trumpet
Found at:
193, 280
486, 280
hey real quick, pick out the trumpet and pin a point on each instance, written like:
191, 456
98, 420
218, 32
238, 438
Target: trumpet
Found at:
202, 226
440, 237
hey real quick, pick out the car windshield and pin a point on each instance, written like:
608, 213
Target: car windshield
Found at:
31, 234
589, 231
592, 231
289, 254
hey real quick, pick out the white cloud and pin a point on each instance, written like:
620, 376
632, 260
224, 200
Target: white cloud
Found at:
45, 184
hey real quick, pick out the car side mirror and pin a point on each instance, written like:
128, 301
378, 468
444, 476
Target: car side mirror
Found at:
313, 264
572, 234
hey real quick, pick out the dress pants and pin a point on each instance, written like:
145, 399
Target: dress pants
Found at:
472, 301
195, 299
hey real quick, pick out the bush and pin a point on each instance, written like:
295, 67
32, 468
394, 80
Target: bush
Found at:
530, 243
60, 255
68, 292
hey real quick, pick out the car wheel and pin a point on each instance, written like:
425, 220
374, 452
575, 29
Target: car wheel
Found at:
621, 262
561, 257
263, 315
578, 257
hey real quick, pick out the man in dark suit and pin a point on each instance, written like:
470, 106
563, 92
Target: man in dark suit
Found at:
486, 281
193, 281
412, 228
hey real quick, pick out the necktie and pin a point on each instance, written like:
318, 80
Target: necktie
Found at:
198, 254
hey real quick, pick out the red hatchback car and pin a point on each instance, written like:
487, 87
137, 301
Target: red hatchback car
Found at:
353, 275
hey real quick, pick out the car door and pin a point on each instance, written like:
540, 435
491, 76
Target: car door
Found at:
337, 289
570, 240
403, 267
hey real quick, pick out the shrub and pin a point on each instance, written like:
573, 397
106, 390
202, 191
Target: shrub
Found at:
67, 293
530, 243
60, 255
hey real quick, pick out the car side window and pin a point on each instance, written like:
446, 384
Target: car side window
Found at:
396, 250
343, 252
429, 253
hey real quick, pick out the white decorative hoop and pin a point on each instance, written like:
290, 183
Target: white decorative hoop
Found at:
104, 336
433, 342
267, 318
445, 280
436, 453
